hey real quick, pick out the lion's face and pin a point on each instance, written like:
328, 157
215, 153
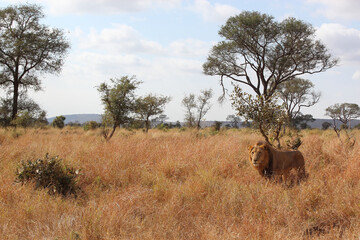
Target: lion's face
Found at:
259, 156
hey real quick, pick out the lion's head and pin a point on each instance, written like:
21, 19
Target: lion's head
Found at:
259, 156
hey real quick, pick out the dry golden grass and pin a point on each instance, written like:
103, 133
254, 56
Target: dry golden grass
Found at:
178, 185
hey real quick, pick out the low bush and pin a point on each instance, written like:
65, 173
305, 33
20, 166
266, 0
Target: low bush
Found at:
49, 173
91, 125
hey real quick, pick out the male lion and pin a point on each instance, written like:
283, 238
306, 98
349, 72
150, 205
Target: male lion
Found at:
269, 161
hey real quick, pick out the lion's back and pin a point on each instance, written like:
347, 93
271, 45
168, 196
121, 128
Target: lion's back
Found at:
287, 159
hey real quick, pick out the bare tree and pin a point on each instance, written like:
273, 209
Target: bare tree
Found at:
297, 94
345, 113
196, 108
190, 104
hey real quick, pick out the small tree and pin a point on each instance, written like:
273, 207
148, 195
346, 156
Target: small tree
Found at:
190, 104
297, 94
91, 125
234, 120
265, 114
344, 113
196, 108
325, 125
23, 119
40, 120
59, 122
149, 106
119, 102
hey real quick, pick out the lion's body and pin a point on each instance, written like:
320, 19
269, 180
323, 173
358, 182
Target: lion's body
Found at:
269, 161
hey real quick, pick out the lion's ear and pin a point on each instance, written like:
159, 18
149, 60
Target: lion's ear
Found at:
264, 146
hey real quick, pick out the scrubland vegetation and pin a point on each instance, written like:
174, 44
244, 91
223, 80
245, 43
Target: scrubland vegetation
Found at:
177, 185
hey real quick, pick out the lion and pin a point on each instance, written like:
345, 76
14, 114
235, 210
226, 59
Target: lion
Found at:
269, 161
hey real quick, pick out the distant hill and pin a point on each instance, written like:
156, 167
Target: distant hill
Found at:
80, 118
316, 124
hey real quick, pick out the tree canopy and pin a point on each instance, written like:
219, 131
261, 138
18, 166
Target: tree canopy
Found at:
262, 53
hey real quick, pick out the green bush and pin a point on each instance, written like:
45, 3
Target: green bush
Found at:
59, 122
49, 173
163, 126
91, 125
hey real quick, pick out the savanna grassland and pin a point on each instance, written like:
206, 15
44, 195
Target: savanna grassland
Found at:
178, 185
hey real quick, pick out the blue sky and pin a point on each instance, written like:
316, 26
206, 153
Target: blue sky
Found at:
165, 42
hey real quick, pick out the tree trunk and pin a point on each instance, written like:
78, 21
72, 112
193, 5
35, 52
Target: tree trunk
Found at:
112, 132
15, 101
106, 135
264, 135
147, 124
198, 124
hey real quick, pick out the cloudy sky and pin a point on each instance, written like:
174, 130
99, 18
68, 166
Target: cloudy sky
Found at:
165, 42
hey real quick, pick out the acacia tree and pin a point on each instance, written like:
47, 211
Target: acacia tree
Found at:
149, 106
119, 101
274, 52
27, 49
196, 108
345, 113
261, 53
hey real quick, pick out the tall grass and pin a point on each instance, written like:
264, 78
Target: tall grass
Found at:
178, 185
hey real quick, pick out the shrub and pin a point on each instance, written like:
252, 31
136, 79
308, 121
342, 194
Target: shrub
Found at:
91, 125
163, 126
49, 173
59, 122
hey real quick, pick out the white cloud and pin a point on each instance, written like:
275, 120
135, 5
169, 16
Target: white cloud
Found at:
123, 39
101, 6
190, 47
120, 39
338, 9
343, 42
356, 75
214, 13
